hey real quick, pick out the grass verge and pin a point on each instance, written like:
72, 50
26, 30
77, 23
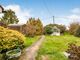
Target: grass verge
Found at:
30, 40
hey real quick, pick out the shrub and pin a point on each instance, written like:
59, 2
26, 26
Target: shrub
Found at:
48, 30
74, 52
37, 25
29, 30
62, 29
72, 27
77, 31
10, 39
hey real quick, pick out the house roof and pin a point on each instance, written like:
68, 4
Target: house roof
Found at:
2, 8
15, 24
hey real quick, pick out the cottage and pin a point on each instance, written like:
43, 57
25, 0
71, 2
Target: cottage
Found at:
56, 31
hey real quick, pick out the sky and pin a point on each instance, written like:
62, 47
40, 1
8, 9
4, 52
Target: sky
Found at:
64, 11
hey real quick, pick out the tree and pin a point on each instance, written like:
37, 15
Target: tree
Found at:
39, 27
72, 27
9, 17
61, 27
37, 24
48, 30
29, 30
77, 31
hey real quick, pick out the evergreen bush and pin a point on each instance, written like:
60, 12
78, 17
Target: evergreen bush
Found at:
10, 39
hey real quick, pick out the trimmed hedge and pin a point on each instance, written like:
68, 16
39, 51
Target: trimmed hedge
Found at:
10, 39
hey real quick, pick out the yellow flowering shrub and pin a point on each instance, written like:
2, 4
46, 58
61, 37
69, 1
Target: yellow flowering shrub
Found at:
10, 39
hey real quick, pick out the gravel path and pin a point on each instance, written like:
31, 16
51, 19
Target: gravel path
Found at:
31, 52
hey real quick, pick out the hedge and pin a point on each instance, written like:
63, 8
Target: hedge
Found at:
10, 39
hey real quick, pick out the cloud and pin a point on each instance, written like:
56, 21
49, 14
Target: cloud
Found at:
22, 14
76, 10
66, 20
15, 8
75, 14
1, 15
74, 17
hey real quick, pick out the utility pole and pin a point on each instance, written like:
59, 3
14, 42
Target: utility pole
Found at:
53, 20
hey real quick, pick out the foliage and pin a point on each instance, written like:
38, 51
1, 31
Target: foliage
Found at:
9, 17
29, 30
39, 27
61, 27
36, 27
74, 52
77, 31
54, 46
48, 30
10, 39
73, 27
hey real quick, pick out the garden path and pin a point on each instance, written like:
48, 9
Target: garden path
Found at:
31, 52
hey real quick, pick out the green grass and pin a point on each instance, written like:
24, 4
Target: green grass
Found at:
30, 40
54, 46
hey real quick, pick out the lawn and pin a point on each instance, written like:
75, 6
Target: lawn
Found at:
54, 46
30, 40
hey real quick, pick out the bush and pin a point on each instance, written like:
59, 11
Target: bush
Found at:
72, 27
10, 39
74, 52
29, 30
37, 25
77, 31
62, 29
48, 30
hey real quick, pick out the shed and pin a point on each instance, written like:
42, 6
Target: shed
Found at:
56, 31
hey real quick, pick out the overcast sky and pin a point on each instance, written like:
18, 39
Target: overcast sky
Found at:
64, 11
